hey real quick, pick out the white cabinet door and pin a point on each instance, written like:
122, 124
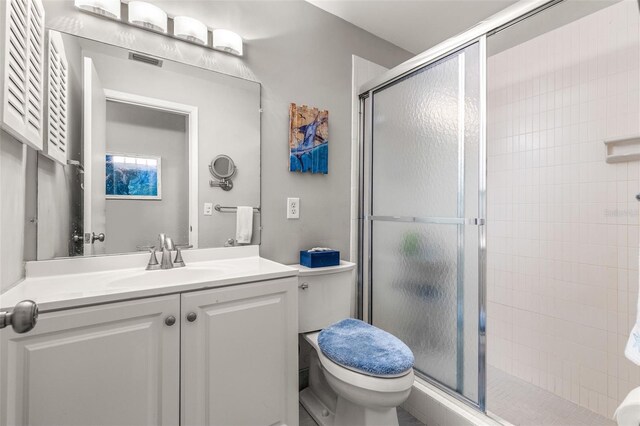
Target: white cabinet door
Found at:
114, 364
239, 356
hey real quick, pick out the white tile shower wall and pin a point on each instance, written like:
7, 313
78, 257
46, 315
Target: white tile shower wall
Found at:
563, 224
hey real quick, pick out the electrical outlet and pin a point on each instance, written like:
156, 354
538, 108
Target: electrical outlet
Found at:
208, 209
293, 208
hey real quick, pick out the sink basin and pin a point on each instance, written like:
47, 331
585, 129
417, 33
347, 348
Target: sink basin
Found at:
162, 277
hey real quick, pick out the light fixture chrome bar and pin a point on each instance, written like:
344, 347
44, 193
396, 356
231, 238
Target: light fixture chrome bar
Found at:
505, 17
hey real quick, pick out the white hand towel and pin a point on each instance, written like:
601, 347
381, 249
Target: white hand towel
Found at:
244, 224
632, 351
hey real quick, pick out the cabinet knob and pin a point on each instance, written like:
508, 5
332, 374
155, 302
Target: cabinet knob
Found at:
170, 320
303, 286
23, 318
191, 316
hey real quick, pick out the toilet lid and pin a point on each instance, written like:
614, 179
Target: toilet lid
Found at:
359, 346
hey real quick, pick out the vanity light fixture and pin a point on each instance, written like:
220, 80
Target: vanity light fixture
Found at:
190, 29
227, 41
151, 17
107, 8
147, 15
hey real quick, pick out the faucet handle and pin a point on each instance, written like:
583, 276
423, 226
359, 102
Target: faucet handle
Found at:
153, 260
179, 262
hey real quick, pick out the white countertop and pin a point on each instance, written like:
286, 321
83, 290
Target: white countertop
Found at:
71, 282
344, 266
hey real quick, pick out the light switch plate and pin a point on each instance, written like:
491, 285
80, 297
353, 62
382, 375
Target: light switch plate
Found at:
293, 208
208, 209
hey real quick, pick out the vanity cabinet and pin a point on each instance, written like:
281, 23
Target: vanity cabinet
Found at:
229, 358
240, 355
113, 364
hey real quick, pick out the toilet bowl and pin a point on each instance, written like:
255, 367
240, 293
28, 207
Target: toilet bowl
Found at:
339, 395
345, 397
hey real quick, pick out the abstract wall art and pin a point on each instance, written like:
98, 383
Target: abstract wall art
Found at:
132, 176
308, 139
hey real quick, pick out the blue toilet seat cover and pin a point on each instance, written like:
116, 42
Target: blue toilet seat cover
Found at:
359, 346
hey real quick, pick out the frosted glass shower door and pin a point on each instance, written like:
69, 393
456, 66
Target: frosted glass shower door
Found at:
424, 215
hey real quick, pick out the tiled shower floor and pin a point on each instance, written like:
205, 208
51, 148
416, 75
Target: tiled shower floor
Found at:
519, 403
524, 404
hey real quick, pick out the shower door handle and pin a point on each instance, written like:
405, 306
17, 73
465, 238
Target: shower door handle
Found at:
430, 220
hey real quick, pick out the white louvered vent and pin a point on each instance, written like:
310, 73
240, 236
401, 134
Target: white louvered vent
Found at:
58, 101
22, 68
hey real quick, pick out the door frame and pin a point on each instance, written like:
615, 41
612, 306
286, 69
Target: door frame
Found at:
190, 112
89, 73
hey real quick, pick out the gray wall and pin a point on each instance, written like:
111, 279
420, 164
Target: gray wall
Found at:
138, 130
300, 54
13, 163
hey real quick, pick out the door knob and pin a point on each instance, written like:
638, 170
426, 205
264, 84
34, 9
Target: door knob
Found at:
23, 317
99, 237
170, 320
191, 316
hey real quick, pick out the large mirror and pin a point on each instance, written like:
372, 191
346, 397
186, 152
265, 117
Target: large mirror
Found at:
141, 133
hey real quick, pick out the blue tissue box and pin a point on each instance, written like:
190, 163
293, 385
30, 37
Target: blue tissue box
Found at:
318, 259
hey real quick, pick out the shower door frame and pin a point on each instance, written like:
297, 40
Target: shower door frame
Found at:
366, 220
477, 34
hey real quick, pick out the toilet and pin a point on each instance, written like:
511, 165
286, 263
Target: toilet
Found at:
345, 387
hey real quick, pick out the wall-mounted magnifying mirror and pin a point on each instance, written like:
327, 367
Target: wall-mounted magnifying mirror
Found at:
223, 169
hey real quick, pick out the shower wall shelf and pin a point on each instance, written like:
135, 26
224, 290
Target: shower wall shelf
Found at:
622, 149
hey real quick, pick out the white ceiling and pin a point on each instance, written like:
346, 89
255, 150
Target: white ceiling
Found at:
414, 25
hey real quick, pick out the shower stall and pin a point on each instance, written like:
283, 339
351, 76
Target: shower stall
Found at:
496, 239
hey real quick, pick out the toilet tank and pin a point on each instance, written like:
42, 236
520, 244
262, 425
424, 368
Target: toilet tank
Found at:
325, 295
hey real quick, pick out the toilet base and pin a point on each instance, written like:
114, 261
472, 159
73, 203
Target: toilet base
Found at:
320, 413
347, 414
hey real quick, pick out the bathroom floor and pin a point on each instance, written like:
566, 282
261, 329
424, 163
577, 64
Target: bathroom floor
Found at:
524, 404
404, 418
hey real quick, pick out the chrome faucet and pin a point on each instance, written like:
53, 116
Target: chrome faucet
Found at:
166, 244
